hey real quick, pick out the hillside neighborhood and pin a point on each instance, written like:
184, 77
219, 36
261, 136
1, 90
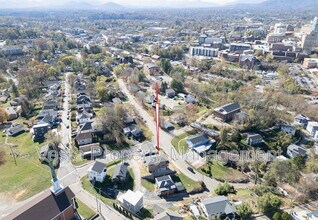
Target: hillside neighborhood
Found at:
112, 112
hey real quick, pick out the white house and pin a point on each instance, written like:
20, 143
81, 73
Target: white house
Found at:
97, 171
289, 129
84, 138
312, 127
83, 118
132, 201
15, 129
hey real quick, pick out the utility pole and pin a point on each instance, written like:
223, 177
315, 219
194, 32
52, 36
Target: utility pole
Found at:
157, 116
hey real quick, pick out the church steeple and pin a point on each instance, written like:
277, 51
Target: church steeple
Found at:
56, 186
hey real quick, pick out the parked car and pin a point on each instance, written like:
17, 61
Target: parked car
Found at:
191, 169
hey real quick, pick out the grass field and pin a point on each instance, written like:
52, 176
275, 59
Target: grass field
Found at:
188, 183
220, 172
27, 176
150, 186
84, 210
180, 143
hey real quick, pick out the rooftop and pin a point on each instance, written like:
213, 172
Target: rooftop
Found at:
131, 197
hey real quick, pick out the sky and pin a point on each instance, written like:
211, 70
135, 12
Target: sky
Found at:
47, 3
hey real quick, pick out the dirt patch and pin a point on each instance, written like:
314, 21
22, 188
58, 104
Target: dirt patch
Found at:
20, 194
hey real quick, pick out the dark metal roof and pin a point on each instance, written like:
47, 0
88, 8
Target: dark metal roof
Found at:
228, 108
46, 205
197, 138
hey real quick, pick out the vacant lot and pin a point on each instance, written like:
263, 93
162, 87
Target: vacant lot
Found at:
25, 176
84, 210
220, 172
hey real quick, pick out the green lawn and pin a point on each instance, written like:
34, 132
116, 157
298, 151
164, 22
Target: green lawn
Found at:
77, 159
89, 188
150, 186
188, 183
28, 176
179, 142
220, 172
146, 131
84, 210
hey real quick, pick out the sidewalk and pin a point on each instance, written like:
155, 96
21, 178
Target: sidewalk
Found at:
91, 201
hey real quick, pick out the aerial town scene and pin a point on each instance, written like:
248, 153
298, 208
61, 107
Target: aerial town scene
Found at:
165, 110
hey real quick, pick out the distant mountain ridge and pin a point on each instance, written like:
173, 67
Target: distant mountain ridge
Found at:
112, 5
291, 4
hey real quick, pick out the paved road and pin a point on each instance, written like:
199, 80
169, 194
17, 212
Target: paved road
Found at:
68, 174
167, 147
93, 202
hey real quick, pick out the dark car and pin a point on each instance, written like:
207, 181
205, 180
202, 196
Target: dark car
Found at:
73, 134
191, 169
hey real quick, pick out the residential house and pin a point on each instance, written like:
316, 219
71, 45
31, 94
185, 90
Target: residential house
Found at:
4, 98
289, 129
44, 112
83, 101
165, 185
97, 171
50, 105
12, 114
218, 206
91, 151
84, 138
313, 215
120, 174
312, 128
132, 201
48, 205
151, 69
168, 126
86, 127
129, 120
254, 139
160, 212
127, 131
294, 150
190, 99
150, 99
14, 129
156, 163
199, 143
170, 93
136, 131
247, 60
227, 112
39, 131
83, 117
301, 120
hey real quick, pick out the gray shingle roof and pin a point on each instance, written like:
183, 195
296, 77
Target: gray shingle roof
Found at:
218, 205
98, 167
120, 171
